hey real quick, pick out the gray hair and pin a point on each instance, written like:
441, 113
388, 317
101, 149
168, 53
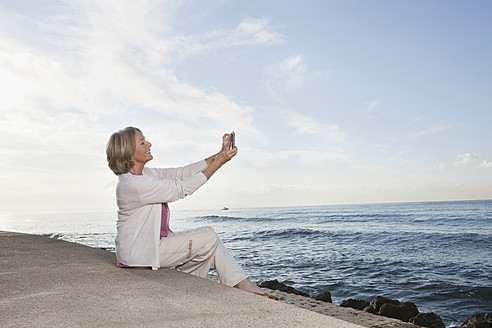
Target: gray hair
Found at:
120, 149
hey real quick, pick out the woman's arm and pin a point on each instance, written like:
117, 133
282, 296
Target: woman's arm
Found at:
225, 154
135, 191
154, 189
151, 190
226, 144
219, 160
181, 173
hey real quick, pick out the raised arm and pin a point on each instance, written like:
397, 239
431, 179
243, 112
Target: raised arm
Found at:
216, 161
226, 143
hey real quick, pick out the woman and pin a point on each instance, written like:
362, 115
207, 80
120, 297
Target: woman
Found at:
143, 237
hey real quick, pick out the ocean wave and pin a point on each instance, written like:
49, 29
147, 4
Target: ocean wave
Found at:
225, 218
460, 301
361, 217
306, 235
93, 239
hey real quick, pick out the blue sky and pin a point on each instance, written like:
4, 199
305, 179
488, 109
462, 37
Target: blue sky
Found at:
332, 101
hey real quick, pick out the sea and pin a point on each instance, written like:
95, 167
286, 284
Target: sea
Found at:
437, 255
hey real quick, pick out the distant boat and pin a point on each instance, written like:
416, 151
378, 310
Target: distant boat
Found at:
225, 208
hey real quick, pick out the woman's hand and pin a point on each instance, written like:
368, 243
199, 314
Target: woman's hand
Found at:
225, 155
226, 141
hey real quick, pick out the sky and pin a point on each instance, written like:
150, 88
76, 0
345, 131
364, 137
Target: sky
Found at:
332, 102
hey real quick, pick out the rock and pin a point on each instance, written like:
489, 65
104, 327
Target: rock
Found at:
323, 296
429, 320
392, 308
404, 311
276, 285
376, 304
355, 304
480, 320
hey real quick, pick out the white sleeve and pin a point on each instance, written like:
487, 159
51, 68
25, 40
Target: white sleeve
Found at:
152, 190
180, 173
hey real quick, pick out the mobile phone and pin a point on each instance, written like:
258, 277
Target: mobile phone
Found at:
233, 140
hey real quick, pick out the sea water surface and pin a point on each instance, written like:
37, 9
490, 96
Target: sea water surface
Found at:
435, 254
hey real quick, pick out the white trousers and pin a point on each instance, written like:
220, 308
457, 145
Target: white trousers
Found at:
196, 251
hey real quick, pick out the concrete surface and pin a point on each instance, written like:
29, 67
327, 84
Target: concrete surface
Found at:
52, 283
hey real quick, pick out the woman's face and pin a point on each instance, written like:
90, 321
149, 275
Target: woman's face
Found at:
142, 149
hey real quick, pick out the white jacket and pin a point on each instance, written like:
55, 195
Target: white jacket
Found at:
139, 199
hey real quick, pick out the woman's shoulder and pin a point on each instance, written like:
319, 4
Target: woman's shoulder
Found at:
150, 171
129, 184
131, 178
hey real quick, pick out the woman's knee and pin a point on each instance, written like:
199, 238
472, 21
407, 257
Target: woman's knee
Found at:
212, 235
205, 229
207, 237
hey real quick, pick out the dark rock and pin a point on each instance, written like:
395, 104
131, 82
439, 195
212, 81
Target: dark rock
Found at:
404, 311
323, 296
429, 320
355, 304
376, 304
276, 285
480, 320
392, 308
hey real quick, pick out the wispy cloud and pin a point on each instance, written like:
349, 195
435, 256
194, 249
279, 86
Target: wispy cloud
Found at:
372, 110
290, 74
102, 63
442, 166
415, 120
371, 105
431, 130
331, 134
75, 73
289, 159
249, 32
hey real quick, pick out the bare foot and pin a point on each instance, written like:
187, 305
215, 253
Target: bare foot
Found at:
249, 286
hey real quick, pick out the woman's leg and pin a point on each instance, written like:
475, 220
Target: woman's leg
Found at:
249, 286
189, 251
226, 267
196, 251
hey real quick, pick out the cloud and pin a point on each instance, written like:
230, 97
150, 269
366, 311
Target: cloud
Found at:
485, 165
290, 74
72, 75
468, 158
330, 133
288, 159
371, 105
465, 159
415, 120
431, 130
107, 59
249, 32
442, 166
372, 110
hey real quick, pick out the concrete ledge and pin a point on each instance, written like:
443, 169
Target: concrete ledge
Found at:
48, 282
